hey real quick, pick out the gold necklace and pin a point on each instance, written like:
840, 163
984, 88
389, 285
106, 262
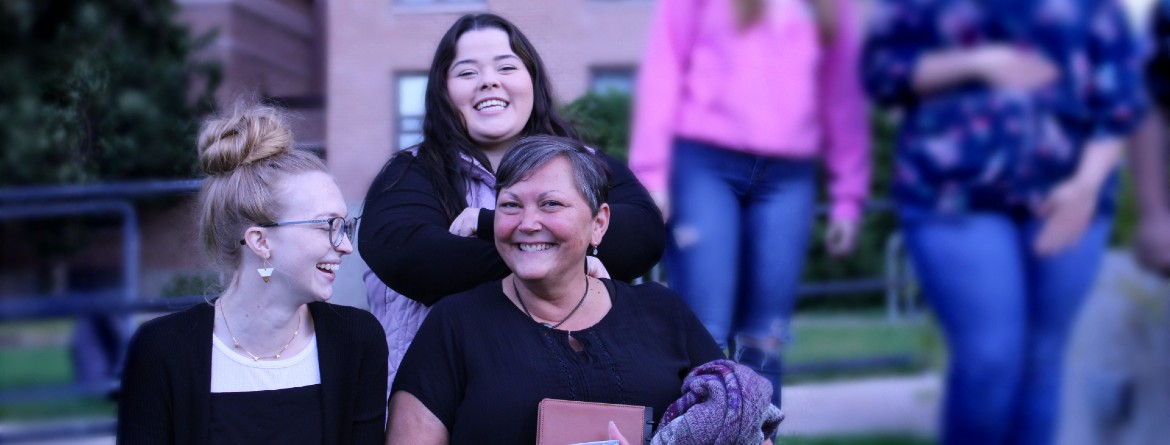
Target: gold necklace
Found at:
255, 357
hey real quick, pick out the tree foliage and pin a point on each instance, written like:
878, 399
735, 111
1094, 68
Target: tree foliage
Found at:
603, 119
98, 90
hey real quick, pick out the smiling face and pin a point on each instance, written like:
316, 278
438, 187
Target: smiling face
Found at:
543, 225
490, 87
305, 260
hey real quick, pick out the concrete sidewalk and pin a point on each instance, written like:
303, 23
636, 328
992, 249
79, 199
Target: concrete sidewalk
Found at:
895, 405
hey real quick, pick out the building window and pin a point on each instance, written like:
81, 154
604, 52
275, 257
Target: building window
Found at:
411, 90
611, 79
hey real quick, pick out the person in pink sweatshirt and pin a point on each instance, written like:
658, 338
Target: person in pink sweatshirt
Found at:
737, 104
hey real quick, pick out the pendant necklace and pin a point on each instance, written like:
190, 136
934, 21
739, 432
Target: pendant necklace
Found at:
549, 325
255, 357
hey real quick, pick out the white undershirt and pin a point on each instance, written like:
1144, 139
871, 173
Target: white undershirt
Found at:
232, 372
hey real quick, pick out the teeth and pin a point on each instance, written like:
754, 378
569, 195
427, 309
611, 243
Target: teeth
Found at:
328, 267
491, 103
535, 247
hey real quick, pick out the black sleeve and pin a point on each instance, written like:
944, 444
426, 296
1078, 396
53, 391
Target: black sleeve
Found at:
637, 235
145, 399
369, 426
433, 370
405, 238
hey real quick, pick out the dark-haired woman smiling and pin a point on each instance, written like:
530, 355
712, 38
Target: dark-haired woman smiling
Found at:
427, 222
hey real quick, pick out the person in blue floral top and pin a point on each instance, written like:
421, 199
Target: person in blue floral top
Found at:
1013, 115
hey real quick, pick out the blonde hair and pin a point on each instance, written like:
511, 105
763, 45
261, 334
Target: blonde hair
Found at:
245, 152
748, 12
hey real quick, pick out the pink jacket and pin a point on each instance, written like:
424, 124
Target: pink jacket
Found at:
771, 90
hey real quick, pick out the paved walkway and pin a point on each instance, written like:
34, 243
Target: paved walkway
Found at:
1117, 385
897, 405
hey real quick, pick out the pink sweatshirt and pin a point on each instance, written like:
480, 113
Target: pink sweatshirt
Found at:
771, 90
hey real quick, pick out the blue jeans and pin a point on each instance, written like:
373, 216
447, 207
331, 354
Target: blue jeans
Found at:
1007, 315
739, 229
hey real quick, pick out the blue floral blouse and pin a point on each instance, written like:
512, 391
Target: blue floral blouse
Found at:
978, 147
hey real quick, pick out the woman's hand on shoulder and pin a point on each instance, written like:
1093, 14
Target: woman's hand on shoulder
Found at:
467, 223
595, 269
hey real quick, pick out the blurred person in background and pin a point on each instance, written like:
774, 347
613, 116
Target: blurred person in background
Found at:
268, 361
428, 215
737, 103
1013, 119
1149, 162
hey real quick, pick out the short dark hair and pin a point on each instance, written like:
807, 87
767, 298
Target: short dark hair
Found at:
591, 175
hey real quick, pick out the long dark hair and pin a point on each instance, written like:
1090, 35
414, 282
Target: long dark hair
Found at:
444, 132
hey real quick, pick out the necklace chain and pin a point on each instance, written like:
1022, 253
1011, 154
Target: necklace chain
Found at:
237, 344
548, 325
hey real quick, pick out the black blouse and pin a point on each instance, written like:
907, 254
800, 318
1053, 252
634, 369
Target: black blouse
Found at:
482, 366
290, 415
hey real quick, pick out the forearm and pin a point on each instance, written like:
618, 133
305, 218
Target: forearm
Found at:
427, 271
1148, 163
1099, 160
846, 123
406, 240
939, 70
637, 236
412, 423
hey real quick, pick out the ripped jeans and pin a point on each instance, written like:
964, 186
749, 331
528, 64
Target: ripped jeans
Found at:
739, 228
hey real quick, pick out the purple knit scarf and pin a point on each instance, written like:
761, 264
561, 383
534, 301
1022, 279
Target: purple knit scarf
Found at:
723, 403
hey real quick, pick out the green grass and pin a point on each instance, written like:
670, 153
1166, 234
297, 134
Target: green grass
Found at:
26, 367
42, 365
824, 337
59, 409
14, 329
845, 337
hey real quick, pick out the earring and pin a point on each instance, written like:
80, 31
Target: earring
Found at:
594, 250
265, 272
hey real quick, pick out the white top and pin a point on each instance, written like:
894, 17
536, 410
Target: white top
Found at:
232, 372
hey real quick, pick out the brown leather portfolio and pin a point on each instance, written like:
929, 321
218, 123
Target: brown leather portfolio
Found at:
566, 422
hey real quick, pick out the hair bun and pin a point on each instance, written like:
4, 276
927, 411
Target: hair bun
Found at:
245, 135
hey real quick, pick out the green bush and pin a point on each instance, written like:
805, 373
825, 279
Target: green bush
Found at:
96, 91
603, 119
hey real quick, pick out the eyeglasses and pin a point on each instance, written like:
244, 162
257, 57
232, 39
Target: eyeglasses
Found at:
338, 226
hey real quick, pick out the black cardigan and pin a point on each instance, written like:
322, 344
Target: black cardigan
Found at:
166, 384
405, 236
